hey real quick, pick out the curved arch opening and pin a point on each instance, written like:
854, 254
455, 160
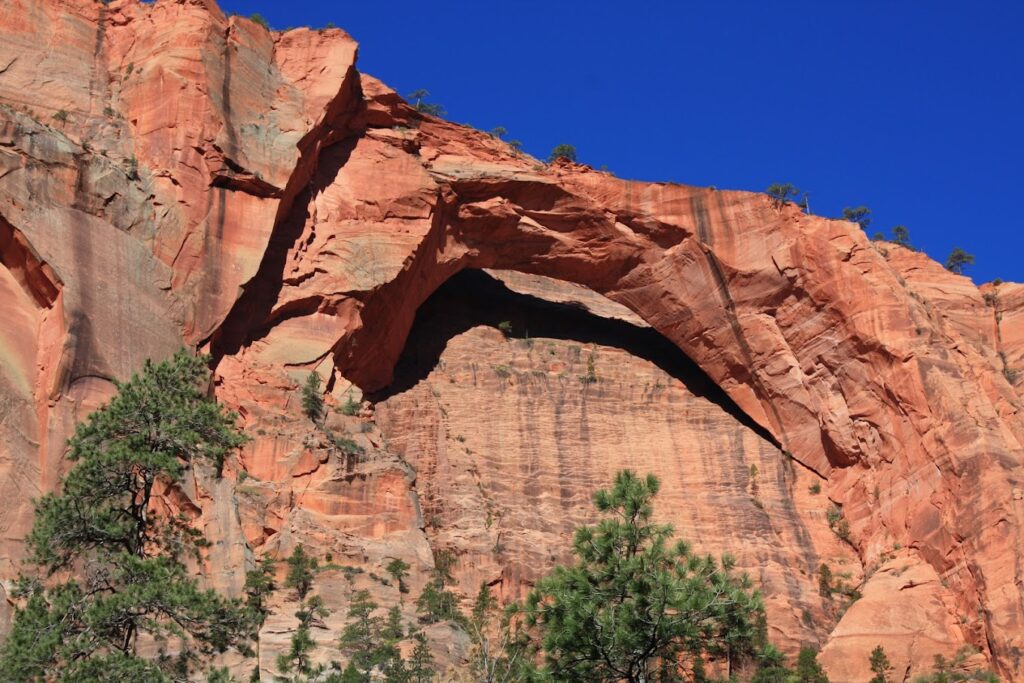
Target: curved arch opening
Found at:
472, 298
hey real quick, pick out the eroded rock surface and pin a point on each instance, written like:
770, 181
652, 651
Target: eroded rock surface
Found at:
170, 175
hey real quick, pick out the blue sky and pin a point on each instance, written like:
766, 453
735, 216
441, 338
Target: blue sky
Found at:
913, 108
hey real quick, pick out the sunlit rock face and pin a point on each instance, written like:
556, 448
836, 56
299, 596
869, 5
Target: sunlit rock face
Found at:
170, 175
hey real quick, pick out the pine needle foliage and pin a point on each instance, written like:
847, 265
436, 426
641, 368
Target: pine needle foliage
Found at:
501, 651
637, 606
861, 215
782, 193
312, 398
958, 260
301, 571
120, 562
880, 665
563, 151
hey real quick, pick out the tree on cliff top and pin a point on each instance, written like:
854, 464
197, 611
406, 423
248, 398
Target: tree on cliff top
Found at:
782, 193
122, 578
900, 235
635, 606
419, 103
563, 151
859, 215
958, 260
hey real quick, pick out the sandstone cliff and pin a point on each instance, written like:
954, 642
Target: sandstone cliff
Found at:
170, 175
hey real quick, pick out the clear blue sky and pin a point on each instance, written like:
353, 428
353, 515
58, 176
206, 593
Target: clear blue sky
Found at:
912, 108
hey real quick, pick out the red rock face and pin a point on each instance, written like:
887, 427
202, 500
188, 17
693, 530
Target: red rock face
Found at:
169, 176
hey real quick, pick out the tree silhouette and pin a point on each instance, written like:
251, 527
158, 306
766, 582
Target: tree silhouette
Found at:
958, 260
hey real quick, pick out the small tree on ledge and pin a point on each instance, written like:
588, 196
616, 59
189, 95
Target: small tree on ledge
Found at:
312, 399
880, 666
418, 98
958, 260
859, 215
781, 193
900, 235
563, 151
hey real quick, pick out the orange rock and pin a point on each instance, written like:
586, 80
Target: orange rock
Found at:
904, 595
170, 175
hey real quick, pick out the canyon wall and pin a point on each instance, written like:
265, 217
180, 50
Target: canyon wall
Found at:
173, 176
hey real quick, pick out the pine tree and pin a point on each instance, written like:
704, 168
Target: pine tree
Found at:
500, 654
781, 193
352, 675
419, 104
259, 584
436, 603
563, 151
128, 580
880, 666
771, 667
312, 399
900, 235
258, 587
361, 639
399, 569
634, 607
808, 670
859, 215
396, 671
301, 568
392, 630
958, 260
421, 664
299, 658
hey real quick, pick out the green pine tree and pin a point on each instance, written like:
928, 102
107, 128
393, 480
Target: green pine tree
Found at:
352, 675
563, 151
421, 664
259, 584
900, 235
299, 657
361, 638
880, 666
958, 260
771, 667
126, 578
500, 653
860, 215
399, 569
419, 103
392, 630
436, 604
635, 606
782, 193
312, 398
396, 671
808, 670
301, 570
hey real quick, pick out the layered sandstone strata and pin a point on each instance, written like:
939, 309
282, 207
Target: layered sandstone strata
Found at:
170, 175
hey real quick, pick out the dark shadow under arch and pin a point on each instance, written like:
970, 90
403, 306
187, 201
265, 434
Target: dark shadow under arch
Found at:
472, 298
